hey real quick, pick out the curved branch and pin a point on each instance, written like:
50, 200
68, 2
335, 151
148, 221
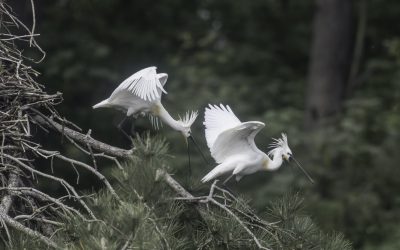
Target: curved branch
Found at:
82, 138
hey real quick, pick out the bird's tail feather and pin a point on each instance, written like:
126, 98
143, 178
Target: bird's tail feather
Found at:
211, 175
101, 104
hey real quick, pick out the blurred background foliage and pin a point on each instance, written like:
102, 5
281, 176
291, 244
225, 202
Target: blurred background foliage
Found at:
254, 56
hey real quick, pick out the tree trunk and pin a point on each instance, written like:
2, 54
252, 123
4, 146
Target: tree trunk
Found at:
330, 60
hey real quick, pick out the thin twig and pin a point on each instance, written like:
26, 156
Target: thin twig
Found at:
85, 166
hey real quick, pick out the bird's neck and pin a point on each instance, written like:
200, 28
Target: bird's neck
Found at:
277, 160
161, 112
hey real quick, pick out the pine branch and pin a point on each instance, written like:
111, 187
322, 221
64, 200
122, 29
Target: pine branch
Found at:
185, 195
83, 138
162, 174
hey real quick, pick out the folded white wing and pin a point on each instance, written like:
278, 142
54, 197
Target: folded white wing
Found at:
226, 135
146, 84
235, 141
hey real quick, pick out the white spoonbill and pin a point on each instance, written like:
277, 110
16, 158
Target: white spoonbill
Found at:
140, 94
231, 144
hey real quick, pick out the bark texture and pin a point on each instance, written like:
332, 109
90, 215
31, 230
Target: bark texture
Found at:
330, 60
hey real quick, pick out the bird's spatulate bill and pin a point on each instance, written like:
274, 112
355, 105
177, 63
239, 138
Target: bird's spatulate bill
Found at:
302, 169
198, 148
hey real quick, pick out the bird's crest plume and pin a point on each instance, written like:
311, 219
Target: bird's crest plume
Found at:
188, 119
278, 143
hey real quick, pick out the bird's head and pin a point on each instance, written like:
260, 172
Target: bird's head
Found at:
186, 132
286, 152
281, 149
280, 146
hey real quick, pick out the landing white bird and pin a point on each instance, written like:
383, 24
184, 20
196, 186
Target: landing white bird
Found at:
140, 94
231, 144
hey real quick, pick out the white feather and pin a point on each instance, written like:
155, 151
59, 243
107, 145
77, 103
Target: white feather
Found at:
145, 84
235, 141
216, 120
231, 143
139, 93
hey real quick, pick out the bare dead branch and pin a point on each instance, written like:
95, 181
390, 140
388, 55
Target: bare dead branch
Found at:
7, 200
84, 139
18, 226
44, 197
67, 186
85, 166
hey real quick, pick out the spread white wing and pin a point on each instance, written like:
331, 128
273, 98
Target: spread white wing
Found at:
218, 119
145, 84
227, 136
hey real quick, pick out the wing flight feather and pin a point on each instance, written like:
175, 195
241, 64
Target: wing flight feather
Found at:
218, 119
226, 136
145, 84
235, 141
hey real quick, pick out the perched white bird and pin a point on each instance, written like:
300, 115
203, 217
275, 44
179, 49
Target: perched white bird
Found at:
140, 94
231, 144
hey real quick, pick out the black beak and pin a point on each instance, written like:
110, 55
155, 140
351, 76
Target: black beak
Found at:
198, 148
302, 169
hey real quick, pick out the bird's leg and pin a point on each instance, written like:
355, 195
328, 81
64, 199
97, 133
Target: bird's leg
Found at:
121, 128
227, 179
133, 128
226, 186
188, 153
198, 148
